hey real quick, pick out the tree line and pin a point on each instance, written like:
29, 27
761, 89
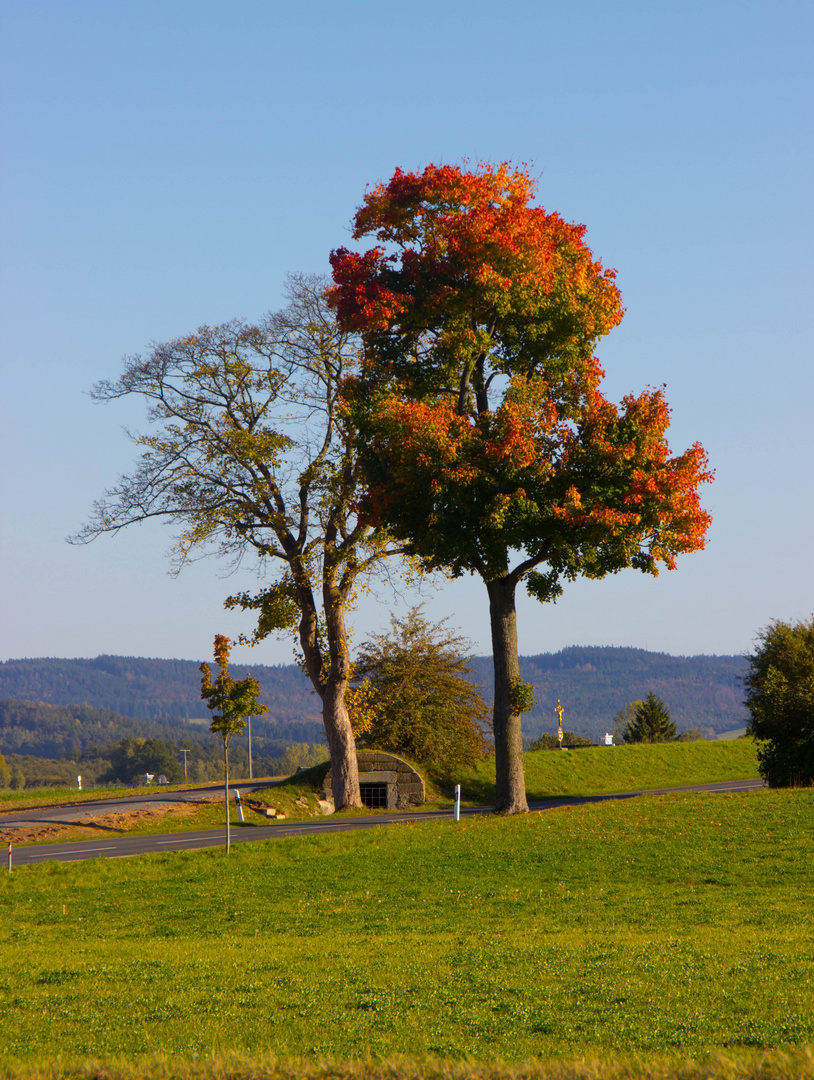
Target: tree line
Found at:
594, 682
44, 730
126, 763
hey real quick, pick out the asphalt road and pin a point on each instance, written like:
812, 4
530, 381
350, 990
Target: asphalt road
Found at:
145, 799
118, 847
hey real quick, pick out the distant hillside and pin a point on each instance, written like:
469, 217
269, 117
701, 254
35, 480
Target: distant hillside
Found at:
54, 731
151, 689
591, 682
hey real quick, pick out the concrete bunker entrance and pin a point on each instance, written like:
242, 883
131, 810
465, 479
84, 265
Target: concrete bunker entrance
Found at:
386, 782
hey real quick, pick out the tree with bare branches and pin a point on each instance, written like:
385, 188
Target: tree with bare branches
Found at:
249, 454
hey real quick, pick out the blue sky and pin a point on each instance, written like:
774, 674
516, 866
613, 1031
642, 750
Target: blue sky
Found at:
167, 163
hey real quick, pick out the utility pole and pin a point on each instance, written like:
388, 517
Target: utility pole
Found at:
185, 752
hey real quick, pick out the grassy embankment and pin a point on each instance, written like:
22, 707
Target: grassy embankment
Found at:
592, 771
677, 924
602, 770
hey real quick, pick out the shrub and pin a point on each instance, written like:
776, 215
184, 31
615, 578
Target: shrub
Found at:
551, 742
411, 695
780, 699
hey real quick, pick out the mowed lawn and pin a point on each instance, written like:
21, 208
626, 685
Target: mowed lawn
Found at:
664, 924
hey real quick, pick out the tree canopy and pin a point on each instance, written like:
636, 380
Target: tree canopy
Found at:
412, 695
231, 701
487, 445
780, 699
130, 759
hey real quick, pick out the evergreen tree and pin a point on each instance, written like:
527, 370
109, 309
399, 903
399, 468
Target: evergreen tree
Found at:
651, 722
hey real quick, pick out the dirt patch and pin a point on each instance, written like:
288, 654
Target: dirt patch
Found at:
90, 827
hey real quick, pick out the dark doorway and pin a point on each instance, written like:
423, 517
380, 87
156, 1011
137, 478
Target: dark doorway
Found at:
374, 796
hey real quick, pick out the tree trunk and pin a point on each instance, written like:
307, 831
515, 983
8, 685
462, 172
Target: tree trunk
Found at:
511, 786
331, 688
344, 767
226, 792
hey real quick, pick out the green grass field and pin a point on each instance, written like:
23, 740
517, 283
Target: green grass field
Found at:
676, 925
602, 770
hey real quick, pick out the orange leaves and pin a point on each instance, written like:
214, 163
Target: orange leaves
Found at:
483, 428
390, 209
222, 649
471, 254
591, 492
637, 486
429, 437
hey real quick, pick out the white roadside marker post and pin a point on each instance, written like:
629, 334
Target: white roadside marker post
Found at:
239, 807
9, 856
457, 802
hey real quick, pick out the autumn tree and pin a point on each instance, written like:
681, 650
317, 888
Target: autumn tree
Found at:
651, 722
412, 695
232, 702
249, 457
487, 445
780, 699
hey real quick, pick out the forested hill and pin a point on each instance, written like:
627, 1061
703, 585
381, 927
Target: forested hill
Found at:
150, 689
592, 683
54, 731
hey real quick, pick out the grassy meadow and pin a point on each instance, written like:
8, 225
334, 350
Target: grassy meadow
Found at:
678, 925
602, 770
